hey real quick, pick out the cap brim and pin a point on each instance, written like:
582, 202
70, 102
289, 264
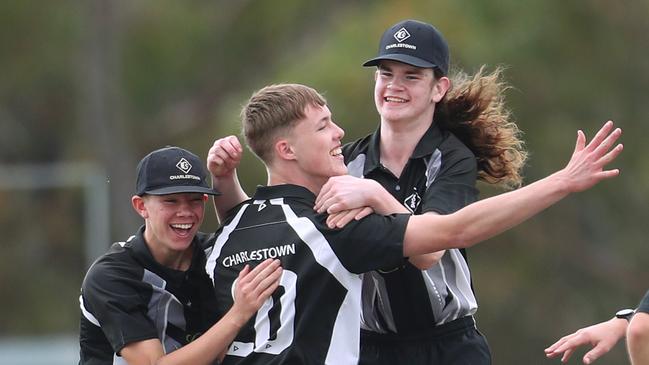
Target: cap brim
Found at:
400, 57
182, 189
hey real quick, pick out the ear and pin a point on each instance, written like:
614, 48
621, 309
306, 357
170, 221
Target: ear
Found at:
284, 150
440, 88
140, 208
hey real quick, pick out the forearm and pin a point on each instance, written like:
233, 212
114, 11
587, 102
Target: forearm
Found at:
231, 194
483, 219
489, 217
211, 345
426, 261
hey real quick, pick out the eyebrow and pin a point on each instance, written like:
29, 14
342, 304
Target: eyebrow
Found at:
411, 70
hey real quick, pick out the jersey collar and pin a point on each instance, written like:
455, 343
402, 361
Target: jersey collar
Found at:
143, 254
283, 191
425, 147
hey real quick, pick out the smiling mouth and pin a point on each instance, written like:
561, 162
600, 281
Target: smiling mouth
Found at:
182, 228
336, 152
392, 99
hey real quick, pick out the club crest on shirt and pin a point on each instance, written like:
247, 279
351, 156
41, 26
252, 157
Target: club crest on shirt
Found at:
412, 201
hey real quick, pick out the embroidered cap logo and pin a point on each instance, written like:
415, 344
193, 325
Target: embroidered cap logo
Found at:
184, 165
401, 35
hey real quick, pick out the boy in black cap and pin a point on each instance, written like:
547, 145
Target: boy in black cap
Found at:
148, 300
436, 137
313, 316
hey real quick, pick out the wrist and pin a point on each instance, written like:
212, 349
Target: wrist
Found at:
237, 317
560, 183
625, 314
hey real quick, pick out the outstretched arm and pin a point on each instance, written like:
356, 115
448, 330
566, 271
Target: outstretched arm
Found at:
601, 337
487, 218
222, 162
253, 288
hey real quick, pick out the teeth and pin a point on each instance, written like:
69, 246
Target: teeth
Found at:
393, 99
182, 226
336, 152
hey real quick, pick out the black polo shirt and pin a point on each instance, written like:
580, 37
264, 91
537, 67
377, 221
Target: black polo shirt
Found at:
127, 296
439, 177
313, 316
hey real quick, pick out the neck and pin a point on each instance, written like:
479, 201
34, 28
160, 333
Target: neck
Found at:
399, 139
177, 260
278, 176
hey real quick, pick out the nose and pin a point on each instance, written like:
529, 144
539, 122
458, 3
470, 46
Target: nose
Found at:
394, 84
184, 209
339, 132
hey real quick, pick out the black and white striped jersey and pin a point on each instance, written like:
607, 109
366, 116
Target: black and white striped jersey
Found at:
439, 177
127, 296
313, 317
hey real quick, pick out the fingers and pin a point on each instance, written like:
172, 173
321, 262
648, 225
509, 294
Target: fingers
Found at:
364, 212
567, 355
566, 346
323, 200
611, 155
340, 219
581, 141
600, 136
244, 272
260, 272
268, 285
266, 293
594, 354
224, 155
607, 143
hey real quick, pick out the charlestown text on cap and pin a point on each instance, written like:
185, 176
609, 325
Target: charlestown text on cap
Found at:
172, 170
415, 43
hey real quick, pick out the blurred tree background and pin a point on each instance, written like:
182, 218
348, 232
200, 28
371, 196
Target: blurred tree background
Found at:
103, 82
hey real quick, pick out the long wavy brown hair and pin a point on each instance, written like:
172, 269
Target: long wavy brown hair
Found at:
474, 110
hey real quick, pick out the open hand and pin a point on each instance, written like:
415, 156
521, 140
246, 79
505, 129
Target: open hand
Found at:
602, 337
586, 166
253, 287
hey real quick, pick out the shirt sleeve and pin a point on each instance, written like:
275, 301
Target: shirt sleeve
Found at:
454, 186
374, 242
644, 304
117, 301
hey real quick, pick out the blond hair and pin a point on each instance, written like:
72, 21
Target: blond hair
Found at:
274, 110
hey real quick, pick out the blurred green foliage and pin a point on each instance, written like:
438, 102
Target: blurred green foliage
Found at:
107, 81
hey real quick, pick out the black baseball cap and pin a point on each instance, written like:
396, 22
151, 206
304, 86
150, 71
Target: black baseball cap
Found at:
172, 170
415, 43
